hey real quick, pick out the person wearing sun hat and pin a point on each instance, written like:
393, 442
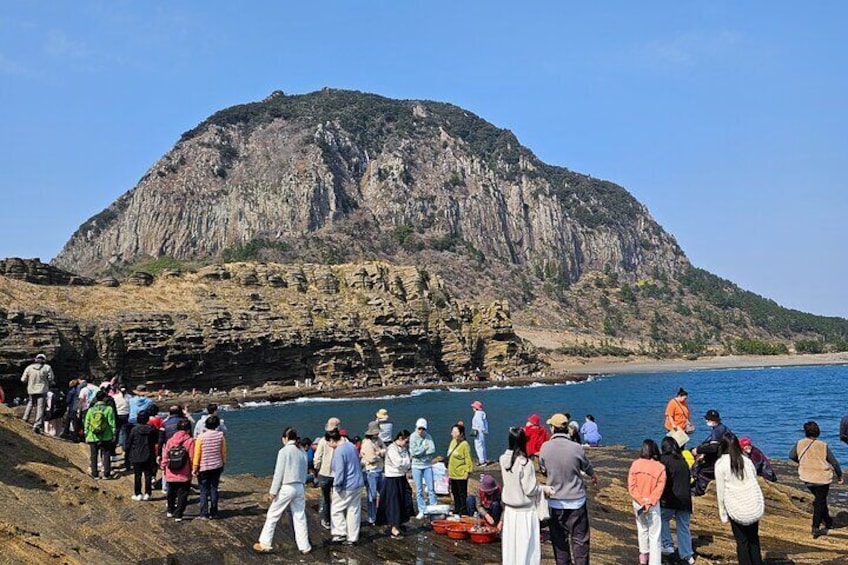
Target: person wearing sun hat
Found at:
386, 426
38, 378
422, 448
371, 454
487, 503
479, 431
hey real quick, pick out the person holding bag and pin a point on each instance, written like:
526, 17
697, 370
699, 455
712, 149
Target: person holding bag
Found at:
677, 414
816, 467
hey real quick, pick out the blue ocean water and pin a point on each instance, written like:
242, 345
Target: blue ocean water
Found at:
768, 404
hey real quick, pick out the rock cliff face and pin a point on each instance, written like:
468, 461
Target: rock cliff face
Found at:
247, 323
370, 171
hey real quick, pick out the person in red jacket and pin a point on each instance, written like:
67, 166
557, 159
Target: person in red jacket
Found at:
536, 434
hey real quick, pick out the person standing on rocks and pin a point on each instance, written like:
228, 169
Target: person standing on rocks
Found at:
347, 490
70, 428
323, 461
200, 426
816, 467
676, 501
38, 378
176, 466
422, 448
371, 454
536, 435
740, 499
141, 453
677, 413
564, 462
210, 456
459, 467
122, 410
99, 434
386, 426
479, 431
645, 483
395, 506
287, 492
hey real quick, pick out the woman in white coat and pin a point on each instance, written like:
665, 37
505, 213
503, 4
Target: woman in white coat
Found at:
519, 523
739, 499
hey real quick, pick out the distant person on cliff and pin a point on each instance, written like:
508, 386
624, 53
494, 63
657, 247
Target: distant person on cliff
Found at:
141, 453
564, 462
816, 467
740, 499
372, 453
99, 433
38, 378
646, 483
479, 431
386, 426
422, 448
677, 413
459, 467
758, 458
287, 492
176, 464
210, 456
536, 435
323, 461
395, 506
707, 453
346, 505
200, 427
590, 432
676, 501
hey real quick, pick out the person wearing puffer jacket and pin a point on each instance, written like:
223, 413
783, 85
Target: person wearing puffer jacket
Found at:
740, 499
179, 479
646, 482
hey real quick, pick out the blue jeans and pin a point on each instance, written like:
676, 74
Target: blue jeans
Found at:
373, 482
422, 476
684, 538
209, 492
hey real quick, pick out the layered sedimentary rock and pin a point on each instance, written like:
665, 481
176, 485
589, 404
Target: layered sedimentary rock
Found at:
246, 324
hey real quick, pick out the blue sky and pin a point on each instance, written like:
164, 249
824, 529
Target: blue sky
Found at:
727, 120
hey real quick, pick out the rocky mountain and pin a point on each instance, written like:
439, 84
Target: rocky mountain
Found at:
245, 324
337, 176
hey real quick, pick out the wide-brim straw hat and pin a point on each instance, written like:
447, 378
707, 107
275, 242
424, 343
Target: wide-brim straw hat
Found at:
373, 429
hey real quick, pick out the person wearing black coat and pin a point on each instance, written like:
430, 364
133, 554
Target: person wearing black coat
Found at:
141, 450
676, 501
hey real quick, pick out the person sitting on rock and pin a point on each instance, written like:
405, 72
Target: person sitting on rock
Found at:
759, 459
706, 454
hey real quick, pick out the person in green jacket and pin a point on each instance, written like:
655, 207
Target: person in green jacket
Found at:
459, 466
100, 434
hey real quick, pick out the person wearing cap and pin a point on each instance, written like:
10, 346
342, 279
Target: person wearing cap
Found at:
677, 413
816, 468
323, 461
371, 454
422, 448
459, 467
346, 506
758, 458
479, 431
38, 378
536, 434
706, 454
564, 462
487, 503
386, 426
287, 492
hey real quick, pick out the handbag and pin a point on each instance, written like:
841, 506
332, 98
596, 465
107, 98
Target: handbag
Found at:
473, 434
679, 436
543, 512
689, 427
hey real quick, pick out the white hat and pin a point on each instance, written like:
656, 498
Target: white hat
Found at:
421, 423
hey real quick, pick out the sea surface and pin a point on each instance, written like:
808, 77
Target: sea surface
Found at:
768, 404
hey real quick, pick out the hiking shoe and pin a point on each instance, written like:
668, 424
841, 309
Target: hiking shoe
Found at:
145, 497
169, 515
689, 560
259, 548
348, 542
338, 539
178, 519
420, 516
136, 497
325, 524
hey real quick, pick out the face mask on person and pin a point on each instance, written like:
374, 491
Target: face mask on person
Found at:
712, 424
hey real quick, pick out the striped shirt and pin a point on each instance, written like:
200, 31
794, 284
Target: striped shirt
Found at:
210, 451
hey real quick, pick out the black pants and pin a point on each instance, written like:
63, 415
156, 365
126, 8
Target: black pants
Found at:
574, 524
747, 543
178, 497
146, 469
100, 448
459, 491
821, 515
127, 464
326, 484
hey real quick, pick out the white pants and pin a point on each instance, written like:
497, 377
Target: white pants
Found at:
649, 528
292, 496
480, 447
520, 536
345, 513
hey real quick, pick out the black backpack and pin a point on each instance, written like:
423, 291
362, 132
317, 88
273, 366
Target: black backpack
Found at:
177, 457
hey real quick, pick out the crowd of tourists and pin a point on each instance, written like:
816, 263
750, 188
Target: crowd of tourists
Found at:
398, 474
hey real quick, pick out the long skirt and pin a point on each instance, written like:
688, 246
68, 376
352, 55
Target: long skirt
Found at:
520, 537
395, 507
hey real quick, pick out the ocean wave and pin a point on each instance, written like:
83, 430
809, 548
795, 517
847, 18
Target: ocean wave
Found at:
320, 399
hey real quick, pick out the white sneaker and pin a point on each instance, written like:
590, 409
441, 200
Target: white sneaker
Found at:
169, 515
420, 516
146, 497
136, 497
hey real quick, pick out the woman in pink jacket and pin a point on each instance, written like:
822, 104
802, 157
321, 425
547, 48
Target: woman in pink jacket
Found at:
646, 482
176, 463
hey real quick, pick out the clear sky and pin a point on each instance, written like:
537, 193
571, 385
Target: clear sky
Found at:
728, 120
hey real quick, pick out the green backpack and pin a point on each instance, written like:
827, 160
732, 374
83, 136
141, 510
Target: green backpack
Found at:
99, 423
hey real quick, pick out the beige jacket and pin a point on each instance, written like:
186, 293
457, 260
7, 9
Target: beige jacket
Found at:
371, 453
323, 458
